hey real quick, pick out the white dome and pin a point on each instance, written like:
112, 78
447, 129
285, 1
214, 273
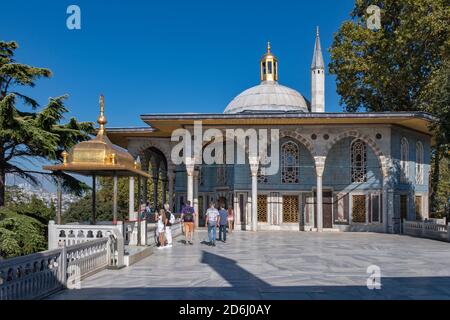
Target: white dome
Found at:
269, 96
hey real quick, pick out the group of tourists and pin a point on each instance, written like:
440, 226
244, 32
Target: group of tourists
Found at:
218, 219
164, 220
214, 218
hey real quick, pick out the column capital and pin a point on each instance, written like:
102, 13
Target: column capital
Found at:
320, 165
190, 165
254, 164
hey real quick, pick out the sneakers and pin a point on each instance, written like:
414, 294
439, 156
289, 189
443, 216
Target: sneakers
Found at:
191, 243
160, 248
213, 244
168, 246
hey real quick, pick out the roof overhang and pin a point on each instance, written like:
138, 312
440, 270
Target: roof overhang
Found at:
162, 125
98, 170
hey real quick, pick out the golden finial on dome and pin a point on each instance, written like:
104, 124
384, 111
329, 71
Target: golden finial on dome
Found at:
269, 66
101, 118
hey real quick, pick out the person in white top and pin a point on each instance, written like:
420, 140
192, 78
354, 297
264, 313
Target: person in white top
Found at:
170, 221
212, 222
161, 225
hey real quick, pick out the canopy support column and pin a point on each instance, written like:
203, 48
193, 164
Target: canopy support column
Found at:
59, 198
139, 211
94, 205
115, 200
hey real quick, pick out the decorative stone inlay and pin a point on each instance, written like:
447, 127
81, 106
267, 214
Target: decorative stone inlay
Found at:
297, 135
368, 140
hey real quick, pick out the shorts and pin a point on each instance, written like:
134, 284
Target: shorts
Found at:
188, 227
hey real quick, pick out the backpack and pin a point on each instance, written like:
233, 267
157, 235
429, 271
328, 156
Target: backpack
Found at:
189, 216
171, 219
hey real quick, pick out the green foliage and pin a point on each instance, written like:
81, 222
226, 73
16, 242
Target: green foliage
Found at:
81, 210
389, 69
23, 228
404, 66
36, 133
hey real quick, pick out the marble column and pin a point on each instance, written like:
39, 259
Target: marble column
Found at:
253, 160
171, 185
320, 166
164, 188
155, 176
131, 212
195, 197
190, 164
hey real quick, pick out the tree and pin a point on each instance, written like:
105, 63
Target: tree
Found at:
23, 227
33, 134
80, 211
404, 66
389, 69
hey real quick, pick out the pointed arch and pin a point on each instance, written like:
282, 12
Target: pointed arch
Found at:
404, 160
369, 141
419, 162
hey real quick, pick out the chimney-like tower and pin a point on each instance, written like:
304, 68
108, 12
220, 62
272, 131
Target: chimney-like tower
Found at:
317, 78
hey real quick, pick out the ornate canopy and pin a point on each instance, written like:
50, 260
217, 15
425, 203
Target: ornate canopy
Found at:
99, 156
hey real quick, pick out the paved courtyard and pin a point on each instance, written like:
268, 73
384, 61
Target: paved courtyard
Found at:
281, 265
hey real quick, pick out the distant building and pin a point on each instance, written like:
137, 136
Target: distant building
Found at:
27, 191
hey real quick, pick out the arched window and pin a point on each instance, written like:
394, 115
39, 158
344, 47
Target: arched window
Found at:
419, 162
289, 162
359, 161
404, 159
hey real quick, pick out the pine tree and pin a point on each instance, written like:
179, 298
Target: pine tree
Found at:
36, 133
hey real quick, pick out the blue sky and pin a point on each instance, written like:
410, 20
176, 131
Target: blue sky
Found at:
167, 56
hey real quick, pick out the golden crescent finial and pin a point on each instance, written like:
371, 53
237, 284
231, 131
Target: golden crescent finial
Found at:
268, 46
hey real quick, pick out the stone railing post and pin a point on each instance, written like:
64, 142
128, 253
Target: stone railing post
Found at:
422, 225
62, 266
52, 236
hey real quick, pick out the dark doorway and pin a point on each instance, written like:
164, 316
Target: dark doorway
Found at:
327, 208
242, 211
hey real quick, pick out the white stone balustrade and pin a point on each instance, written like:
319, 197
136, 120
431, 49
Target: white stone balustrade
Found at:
71, 234
38, 275
427, 229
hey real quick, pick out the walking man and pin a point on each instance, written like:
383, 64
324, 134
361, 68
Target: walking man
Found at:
170, 221
223, 220
188, 218
212, 218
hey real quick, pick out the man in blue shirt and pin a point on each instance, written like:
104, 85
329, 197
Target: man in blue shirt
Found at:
223, 214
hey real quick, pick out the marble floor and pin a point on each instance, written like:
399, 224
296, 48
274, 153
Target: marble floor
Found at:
280, 265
